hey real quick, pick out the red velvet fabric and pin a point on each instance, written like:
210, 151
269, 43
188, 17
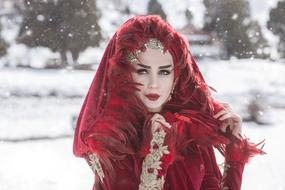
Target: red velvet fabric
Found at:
115, 125
192, 165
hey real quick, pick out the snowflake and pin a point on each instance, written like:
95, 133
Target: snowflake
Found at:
40, 18
235, 16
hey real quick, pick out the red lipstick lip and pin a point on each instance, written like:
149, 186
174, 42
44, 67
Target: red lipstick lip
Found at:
152, 97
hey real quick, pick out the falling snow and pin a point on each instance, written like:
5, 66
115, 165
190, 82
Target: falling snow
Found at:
42, 103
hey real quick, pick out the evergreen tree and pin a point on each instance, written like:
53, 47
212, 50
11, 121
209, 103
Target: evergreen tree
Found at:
276, 24
189, 17
230, 20
154, 8
64, 26
126, 11
3, 45
259, 43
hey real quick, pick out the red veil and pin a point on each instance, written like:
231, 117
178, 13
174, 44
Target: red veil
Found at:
112, 119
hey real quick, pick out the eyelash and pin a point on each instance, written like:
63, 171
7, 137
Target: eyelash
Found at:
145, 71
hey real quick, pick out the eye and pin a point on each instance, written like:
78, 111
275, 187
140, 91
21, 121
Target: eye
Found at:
142, 71
164, 72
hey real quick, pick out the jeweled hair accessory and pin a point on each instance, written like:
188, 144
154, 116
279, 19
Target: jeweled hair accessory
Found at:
152, 43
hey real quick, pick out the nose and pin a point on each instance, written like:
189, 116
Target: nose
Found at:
153, 83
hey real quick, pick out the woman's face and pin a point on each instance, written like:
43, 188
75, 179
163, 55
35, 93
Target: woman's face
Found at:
155, 71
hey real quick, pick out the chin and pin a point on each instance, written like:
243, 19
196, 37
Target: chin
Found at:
154, 108
152, 105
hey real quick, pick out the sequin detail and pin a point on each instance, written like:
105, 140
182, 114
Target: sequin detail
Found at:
151, 164
152, 43
96, 166
133, 57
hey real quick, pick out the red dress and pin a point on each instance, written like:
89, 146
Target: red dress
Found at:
113, 131
190, 165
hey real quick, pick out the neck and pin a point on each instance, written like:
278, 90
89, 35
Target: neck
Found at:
154, 110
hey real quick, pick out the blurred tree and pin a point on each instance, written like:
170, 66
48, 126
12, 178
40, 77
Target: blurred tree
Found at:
189, 17
276, 24
126, 10
154, 8
3, 44
230, 20
64, 26
259, 43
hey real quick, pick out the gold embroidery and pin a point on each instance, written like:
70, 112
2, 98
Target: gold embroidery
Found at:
151, 164
96, 166
226, 167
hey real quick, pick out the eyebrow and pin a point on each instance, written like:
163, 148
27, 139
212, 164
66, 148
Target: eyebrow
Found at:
148, 67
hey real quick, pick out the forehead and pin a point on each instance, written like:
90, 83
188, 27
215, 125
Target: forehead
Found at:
154, 57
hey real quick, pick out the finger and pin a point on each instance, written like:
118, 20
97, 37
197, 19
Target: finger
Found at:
159, 123
226, 116
160, 118
222, 112
236, 117
157, 116
154, 117
156, 126
163, 122
237, 132
228, 123
236, 129
224, 127
226, 105
166, 124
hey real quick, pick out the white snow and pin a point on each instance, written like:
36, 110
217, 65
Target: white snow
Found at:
42, 165
50, 164
19, 54
23, 82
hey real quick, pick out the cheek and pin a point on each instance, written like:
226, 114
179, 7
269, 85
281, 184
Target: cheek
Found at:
139, 79
168, 83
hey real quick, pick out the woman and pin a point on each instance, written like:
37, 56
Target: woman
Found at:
149, 120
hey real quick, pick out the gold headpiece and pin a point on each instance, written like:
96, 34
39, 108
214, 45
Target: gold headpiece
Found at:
152, 43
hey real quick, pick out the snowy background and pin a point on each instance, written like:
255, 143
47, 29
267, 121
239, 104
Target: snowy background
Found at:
37, 108
30, 109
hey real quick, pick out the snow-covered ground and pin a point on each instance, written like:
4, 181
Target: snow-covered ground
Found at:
41, 104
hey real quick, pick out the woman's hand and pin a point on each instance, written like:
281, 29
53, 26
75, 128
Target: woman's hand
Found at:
230, 120
157, 121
